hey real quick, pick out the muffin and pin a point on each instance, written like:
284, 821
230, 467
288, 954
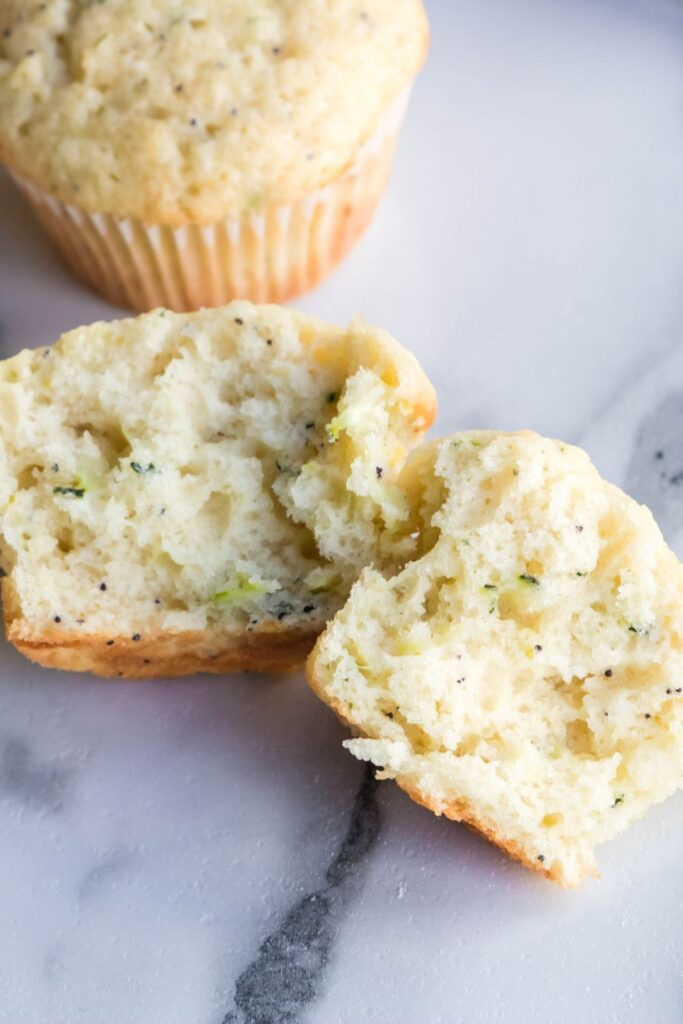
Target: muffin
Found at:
141, 541
183, 158
523, 673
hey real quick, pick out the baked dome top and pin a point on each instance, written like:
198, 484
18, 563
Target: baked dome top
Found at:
176, 113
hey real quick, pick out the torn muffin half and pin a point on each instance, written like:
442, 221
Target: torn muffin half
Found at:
199, 492
523, 673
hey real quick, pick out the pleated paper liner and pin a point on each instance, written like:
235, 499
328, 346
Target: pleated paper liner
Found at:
269, 256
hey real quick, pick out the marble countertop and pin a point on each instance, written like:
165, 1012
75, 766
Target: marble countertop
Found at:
204, 851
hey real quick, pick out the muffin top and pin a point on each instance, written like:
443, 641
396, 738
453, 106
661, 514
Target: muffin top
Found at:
188, 112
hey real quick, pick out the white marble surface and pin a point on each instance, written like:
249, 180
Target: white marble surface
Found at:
167, 850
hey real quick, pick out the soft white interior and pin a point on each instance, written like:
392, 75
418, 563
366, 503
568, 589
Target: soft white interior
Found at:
229, 468
530, 663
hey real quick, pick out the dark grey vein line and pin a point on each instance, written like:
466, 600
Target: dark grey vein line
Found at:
655, 471
288, 972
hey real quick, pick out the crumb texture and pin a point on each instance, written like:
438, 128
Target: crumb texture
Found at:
176, 113
524, 672
218, 473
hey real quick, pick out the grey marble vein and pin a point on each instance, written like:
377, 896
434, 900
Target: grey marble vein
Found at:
25, 779
288, 972
103, 871
654, 474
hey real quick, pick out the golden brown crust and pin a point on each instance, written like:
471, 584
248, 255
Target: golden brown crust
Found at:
268, 649
165, 654
461, 811
457, 810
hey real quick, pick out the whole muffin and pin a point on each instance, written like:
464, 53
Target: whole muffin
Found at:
185, 154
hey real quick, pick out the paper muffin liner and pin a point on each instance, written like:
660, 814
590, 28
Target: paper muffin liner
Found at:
269, 256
